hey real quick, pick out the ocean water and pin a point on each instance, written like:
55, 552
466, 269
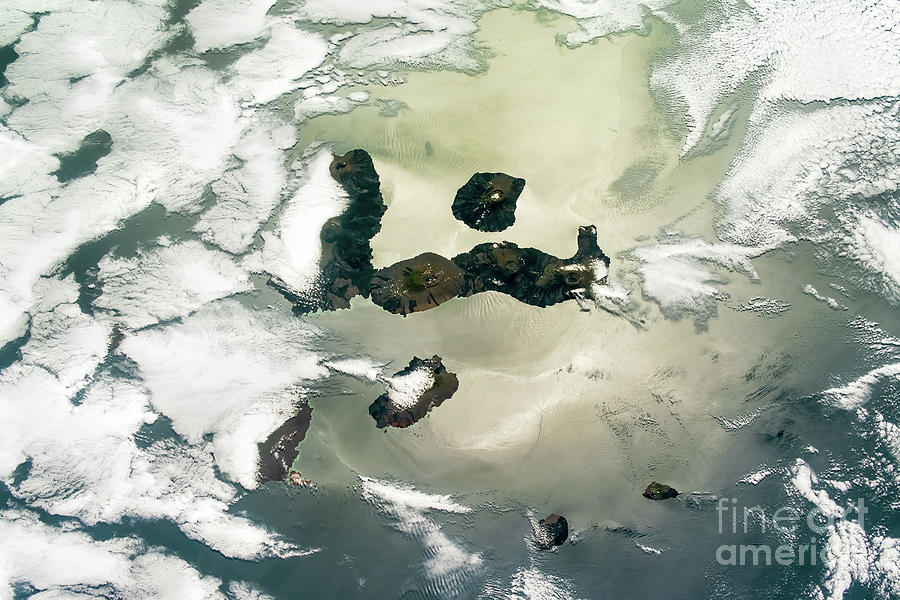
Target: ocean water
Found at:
739, 161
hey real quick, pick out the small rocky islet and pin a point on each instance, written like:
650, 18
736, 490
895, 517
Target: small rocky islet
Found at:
552, 530
659, 491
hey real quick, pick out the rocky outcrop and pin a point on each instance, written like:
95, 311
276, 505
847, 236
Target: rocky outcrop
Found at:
279, 451
659, 491
552, 530
487, 202
413, 392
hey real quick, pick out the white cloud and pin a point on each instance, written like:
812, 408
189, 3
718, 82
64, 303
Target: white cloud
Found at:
274, 69
223, 23
292, 251
597, 18
54, 560
67, 343
230, 372
165, 282
679, 274
409, 506
247, 194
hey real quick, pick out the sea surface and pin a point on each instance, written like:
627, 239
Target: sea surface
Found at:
740, 164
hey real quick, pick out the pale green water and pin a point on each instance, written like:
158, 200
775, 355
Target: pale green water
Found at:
558, 409
543, 387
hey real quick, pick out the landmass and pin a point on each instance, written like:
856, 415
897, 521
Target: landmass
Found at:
487, 202
412, 392
346, 262
279, 451
429, 279
417, 284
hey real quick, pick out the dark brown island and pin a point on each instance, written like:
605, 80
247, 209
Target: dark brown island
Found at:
487, 202
428, 280
391, 409
659, 491
423, 282
552, 530
279, 451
